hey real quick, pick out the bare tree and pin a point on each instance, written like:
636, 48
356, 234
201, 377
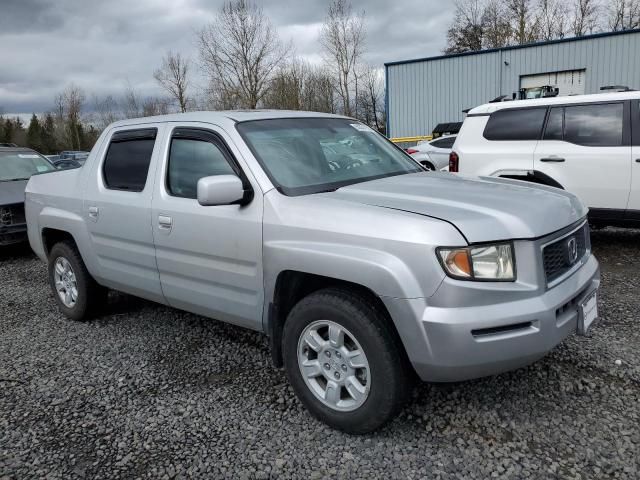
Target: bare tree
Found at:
465, 34
152, 106
286, 87
552, 19
343, 37
70, 104
173, 76
624, 14
496, 30
525, 24
131, 102
318, 91
105, 111
585, 17
371, 97
240, 50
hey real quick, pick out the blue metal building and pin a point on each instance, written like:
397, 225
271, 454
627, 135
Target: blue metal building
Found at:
423, 92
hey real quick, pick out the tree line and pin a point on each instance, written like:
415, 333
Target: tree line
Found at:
482, 24
245, 65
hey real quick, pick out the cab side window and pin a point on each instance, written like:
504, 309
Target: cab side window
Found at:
192, 158
126, 164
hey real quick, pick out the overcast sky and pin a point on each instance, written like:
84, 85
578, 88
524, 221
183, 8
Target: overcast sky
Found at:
102, 45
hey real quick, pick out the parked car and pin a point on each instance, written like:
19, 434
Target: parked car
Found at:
362, 273
16, 166
75, 155
586, 144
433, 154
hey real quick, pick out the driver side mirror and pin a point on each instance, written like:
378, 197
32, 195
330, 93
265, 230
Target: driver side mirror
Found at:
220, 190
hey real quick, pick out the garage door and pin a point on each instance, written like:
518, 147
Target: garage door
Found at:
570, 82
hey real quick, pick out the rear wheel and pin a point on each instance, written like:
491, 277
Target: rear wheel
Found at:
76, 292
344, 361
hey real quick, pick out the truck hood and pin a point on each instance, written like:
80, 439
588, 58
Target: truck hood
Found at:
12, 192
483, 209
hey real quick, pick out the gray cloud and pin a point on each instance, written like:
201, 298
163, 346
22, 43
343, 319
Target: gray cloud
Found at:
102, 46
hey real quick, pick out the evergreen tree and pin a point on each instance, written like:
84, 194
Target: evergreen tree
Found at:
34, 134
49, 144
9, 131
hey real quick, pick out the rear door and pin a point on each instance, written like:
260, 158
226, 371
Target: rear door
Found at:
633, 208
586, 149
117, 209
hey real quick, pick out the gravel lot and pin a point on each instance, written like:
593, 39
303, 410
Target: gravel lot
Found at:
147, 391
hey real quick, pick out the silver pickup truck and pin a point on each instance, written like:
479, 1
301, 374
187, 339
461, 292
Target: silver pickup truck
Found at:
363, 269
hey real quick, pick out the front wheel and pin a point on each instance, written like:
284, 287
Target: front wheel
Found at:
344, 361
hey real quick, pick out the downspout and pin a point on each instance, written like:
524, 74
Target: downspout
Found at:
386, 102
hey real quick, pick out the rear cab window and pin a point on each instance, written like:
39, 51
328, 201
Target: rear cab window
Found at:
515, 124
126, 163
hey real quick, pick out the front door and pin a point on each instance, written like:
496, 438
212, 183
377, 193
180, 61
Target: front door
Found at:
117, 211
586, 148
209, 257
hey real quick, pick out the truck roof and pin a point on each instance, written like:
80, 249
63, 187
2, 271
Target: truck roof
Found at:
596, 97
225, 116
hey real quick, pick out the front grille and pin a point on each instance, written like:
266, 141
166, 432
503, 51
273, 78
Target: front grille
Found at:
12, 215
560, 256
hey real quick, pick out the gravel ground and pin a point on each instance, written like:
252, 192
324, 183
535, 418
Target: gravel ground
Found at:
150, 392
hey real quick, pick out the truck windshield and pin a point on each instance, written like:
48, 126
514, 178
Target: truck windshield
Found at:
312, 155
21, 165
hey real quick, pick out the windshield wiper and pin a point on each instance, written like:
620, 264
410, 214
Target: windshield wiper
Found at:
13, 179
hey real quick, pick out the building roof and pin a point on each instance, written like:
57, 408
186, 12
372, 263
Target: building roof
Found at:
515, 47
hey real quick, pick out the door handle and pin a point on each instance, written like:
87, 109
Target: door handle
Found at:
637, 160
93, 213
552, 159
164, 222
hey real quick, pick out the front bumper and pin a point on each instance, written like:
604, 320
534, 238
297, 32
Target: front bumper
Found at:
10, 234
460, 343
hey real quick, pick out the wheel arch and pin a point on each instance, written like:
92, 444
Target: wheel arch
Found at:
291, 286
532, 176
51, 236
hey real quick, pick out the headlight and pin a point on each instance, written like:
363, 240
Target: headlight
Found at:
482, 262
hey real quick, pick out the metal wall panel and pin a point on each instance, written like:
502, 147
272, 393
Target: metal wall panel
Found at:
423, 93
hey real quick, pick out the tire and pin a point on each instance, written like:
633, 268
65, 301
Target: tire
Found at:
89, 296
386, 379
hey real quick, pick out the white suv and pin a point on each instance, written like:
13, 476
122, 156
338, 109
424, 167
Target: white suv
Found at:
586, 144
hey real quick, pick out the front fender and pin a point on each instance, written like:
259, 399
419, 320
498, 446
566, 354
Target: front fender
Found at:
379, 271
